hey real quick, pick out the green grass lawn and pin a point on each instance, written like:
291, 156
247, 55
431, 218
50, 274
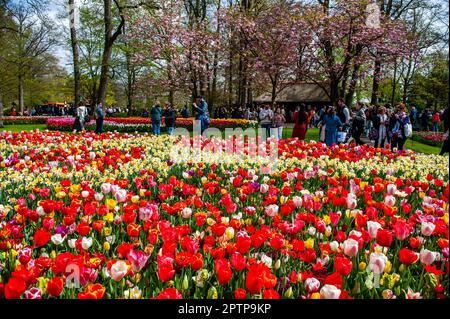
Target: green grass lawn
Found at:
312, 134
23, 127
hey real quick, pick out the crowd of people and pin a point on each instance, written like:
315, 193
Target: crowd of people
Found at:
381, 124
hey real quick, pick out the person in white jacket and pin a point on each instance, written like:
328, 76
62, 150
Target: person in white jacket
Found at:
82, 113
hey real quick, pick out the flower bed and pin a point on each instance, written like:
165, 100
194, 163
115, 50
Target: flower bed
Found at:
136, 124
133, 221
429, 138
11, 120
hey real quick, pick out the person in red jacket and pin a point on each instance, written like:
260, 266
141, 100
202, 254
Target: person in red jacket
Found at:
301, 122
436, 119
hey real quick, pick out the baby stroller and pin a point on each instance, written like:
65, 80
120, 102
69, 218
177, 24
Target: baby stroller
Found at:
345, 136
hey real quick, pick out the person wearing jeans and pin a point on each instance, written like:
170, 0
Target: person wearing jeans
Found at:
436, 119
266, 117
278, 120
400, 119
156, 114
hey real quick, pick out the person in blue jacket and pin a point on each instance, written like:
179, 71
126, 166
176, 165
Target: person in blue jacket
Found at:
156, 114
202, 113
331, 122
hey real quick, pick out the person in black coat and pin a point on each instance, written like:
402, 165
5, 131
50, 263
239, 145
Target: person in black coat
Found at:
170, 117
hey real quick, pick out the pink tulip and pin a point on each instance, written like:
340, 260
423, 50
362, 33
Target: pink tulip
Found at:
330, 292
350, 247
138, 259
33, 293
120, 195
312, 285
427, 257
271, 210
119, 270
427, 228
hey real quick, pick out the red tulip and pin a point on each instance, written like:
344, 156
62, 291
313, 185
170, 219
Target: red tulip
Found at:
14, 288
41, 238
384, 237
55, 286
343, 265
238, 262
407, 256
223, 271
240, 293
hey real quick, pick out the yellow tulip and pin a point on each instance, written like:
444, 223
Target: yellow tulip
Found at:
388, 267
111, 203
362, 265
309, 243
315, 295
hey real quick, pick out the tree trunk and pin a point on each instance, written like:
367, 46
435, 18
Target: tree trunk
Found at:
131, 76
249, 93
394, 84
21, 97
75, 54
230, 79
109, 39
1, 106
352, 87
376, 80
274, 81
334, 91
407, 80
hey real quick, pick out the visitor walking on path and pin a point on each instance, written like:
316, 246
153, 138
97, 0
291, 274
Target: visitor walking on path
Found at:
170, 117
99, 118
301, 122
156, 114
202, 113
331, 122
436, 120
380, 123
278, 122
265, 118
398, 133
359, 122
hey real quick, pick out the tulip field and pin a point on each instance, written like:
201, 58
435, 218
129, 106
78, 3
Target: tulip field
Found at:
116, 215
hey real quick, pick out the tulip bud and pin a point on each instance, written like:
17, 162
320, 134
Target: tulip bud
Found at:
212, 293
357, 288
289, 293
277, 264
185, 284
402, 268
106, 246
362, 266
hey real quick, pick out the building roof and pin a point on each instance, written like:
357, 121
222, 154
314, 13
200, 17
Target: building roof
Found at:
304, 92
